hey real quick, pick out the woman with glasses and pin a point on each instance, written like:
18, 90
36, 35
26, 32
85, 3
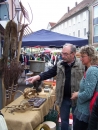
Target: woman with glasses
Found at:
87, 87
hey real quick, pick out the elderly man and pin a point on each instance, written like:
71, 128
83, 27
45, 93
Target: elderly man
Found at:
69, 72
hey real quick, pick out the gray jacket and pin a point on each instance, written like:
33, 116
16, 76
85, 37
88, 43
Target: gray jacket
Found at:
77, 72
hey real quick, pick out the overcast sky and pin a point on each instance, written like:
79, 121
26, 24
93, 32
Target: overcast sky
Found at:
45, 11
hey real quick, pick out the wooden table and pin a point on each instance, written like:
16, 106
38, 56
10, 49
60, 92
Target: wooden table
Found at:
28, 120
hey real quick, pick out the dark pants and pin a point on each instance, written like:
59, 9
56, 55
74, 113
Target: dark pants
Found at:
80, 125
64, 113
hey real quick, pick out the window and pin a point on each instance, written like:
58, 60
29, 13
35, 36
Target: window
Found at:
96, 11
96, 30
78, 18
84, 15
73, 33
62, 25
5, 16
95, 24
74, 20
78, 33
85, 32
65, 24
69, 23
58, 27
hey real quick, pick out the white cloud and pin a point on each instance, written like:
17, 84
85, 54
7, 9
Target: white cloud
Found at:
45, 11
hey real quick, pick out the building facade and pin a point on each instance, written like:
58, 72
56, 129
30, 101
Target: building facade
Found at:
6, 11
94, 24
81, 21
9, 10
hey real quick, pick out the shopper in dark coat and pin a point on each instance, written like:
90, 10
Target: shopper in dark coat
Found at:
93, 122
26, 62
21, 58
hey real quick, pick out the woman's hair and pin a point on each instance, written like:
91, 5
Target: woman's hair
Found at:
91, 52
94, 60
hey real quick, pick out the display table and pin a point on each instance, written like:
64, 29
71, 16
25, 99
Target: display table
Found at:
28, 120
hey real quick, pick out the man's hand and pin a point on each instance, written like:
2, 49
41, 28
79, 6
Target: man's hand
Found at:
74, 95
33, 79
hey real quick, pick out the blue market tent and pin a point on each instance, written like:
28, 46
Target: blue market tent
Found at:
47, 38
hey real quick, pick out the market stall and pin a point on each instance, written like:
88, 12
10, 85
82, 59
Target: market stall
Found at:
48, 38
28, 119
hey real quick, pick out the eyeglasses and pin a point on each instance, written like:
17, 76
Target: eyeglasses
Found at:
66, 54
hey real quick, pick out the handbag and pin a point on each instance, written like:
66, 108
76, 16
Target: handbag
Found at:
52, 115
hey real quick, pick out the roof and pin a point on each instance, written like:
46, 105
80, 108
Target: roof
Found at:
52, 24
82, 5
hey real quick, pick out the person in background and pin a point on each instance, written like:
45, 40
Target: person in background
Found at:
32, 56
38, 57
42, 57
53, 59
56, 58
88, 84
26, 62
59, 56
93, 121
21, 58
49, 55
47, 58
68, 72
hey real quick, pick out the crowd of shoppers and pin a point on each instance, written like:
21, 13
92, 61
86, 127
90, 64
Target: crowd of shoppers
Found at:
76, 81
69, 72
47, 57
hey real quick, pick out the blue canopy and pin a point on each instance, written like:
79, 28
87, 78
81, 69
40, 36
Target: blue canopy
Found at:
47, 38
